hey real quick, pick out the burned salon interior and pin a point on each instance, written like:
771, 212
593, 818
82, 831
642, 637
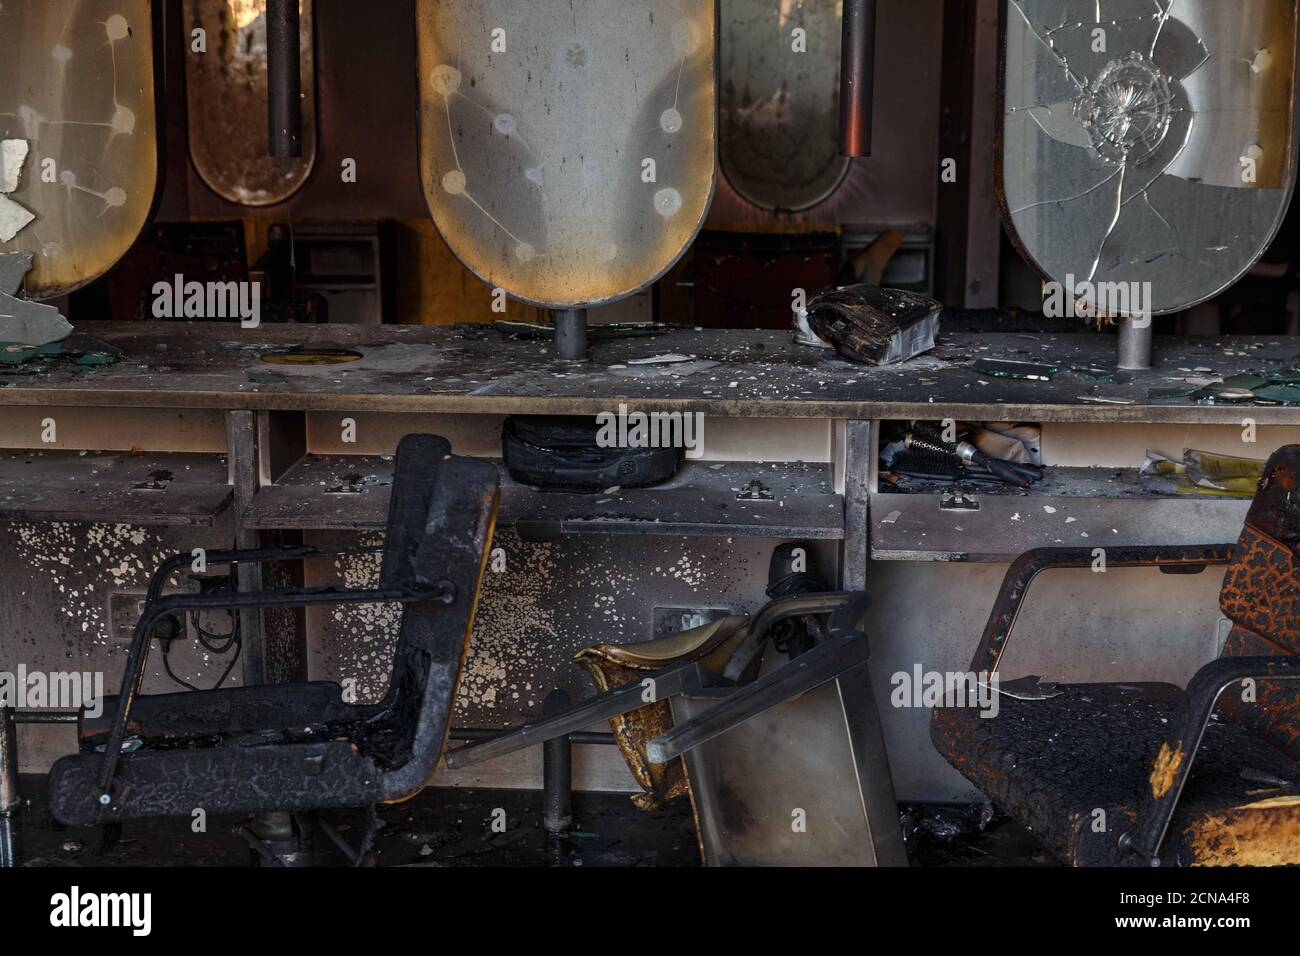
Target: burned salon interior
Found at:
453, 435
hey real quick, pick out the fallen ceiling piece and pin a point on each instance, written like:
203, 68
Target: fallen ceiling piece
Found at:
13, 266
23, 322
13, 153
30, 323
13, 218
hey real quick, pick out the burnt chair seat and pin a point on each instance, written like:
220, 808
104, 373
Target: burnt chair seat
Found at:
1074, 769
1115, 774
293, 747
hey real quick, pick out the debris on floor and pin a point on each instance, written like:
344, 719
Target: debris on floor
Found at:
22, 322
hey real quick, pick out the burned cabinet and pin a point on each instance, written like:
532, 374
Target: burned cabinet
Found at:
1147, 143
79, 131
567, 148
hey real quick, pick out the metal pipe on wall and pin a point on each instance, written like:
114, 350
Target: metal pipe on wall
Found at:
283, 78
857, 76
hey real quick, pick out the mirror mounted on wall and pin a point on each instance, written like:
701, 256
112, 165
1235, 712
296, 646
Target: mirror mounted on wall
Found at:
1147, 147
78, 136
567, 147
226, 84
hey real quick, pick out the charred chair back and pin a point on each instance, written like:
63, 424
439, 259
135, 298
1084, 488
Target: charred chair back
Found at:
290, 747
1261, 597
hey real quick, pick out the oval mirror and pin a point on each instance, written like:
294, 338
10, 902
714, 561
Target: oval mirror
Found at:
778, 101
1148, 146
225, 89
80, 145
567, 147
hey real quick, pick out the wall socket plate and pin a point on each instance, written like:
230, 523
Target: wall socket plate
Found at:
672, 620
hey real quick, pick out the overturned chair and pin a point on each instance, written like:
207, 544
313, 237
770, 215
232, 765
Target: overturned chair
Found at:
1115, 774
300, 747
784, 764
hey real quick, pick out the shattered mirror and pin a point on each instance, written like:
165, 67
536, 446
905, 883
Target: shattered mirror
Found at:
226, 94
1149, 143
778, 101
77, 124
567, 147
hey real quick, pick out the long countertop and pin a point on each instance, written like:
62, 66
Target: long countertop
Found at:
480, 369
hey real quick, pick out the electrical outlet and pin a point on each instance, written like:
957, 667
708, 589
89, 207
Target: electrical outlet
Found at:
124, 609
673, 620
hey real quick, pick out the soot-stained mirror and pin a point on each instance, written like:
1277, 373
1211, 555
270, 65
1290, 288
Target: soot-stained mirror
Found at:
778, 101
567, 147
226, 92
1148, 141
78, 128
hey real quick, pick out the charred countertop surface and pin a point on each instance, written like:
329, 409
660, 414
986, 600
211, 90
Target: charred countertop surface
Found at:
736, 373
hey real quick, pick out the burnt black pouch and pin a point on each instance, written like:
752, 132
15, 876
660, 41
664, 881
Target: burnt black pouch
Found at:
560, 453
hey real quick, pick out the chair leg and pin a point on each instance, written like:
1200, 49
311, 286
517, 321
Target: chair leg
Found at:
657, 685
280, 838
557, 771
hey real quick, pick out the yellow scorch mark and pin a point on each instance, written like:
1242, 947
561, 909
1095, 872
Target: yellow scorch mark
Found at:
1166, 768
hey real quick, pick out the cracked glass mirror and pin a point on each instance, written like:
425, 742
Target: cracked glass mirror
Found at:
1148, 141
567, 147
77, 122
778, 101
225, 88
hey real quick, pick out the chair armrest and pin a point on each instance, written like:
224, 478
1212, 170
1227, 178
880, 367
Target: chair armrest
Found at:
655, 686
845, 607
171, 563
1173, 764
1006, 608
825, 662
